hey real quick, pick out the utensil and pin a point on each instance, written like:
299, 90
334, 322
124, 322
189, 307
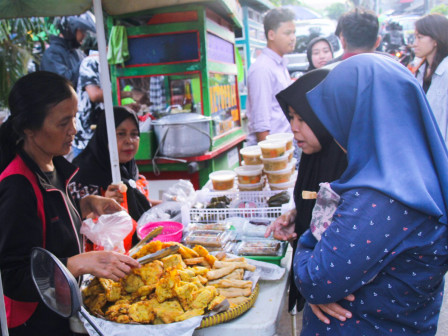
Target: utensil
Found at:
159, 254
158, 230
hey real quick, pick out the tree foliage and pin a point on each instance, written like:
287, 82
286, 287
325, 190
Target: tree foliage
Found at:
442, 9
335, 10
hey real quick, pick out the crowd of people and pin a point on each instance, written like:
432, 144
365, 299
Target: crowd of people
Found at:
370, 253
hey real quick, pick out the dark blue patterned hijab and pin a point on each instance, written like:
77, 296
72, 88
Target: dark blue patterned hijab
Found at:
376, 109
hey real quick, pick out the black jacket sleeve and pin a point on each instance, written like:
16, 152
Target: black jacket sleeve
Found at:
20, 231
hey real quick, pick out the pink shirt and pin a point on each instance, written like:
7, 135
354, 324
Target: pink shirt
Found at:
267, 77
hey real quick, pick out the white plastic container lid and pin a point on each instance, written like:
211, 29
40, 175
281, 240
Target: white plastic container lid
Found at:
243, 171
288, 169
283, 185
222, 175
280, 136
250, 150
251, 185
276, 159
293, 163
270, 144
260, 166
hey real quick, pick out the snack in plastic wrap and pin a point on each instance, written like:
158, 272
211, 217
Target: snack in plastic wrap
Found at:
258, 247
209, 238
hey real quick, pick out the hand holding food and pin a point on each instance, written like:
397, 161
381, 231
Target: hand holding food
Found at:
103, 264
116, 191
283, 227
97, 205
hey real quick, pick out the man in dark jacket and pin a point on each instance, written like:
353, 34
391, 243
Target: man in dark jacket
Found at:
63, 56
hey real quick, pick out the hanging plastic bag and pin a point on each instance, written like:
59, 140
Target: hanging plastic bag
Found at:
183, 192
108, 231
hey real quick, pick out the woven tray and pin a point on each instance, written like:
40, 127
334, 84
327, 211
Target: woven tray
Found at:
231, 313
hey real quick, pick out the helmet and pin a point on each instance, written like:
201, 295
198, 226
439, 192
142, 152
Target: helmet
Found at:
68, 25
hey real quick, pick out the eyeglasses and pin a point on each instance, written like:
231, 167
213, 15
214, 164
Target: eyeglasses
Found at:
133, 136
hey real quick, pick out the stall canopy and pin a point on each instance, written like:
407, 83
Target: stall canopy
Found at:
29, 8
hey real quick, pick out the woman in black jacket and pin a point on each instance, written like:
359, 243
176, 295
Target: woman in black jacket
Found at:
36, 209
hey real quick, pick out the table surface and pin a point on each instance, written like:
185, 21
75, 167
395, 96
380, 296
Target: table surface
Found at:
261, 319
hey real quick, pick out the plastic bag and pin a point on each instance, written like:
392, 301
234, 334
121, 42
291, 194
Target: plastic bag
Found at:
183, 192
108, 231
166, 211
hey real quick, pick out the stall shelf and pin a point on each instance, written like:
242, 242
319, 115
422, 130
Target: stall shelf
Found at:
250, 40
182, 60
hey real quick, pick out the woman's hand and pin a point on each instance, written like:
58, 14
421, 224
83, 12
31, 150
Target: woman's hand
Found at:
102, 264
332, 309
98, 205
113, 191
283, 227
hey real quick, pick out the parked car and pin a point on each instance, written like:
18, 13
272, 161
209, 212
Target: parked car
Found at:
306, 30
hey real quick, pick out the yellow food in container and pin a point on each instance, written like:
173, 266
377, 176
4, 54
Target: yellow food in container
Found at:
248, 175
290, 154
279, 176
293, 165
222, 179
272, 149
251, 155
288, 137
272, 164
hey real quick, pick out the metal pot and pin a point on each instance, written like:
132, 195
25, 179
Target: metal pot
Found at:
183, 134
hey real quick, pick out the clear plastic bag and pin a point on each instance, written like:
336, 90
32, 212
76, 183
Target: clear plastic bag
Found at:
108, 231
183, 192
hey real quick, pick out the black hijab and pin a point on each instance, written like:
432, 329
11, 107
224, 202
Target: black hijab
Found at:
324, 166
309, 50
95, 166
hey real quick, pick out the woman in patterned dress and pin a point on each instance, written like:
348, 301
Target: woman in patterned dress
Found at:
386, 250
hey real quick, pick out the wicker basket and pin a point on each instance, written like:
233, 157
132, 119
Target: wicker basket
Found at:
232, 313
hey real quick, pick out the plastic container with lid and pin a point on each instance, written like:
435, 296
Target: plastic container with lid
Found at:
290, 154
251, 187
251, 155
222, 179
272, 149
248, 175
209, 238
268, 247
279, 176
272, 164
288, 137
208, 226
293, 164
281, 186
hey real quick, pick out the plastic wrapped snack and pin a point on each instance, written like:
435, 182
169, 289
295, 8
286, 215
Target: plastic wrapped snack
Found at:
209, 238
262, 247
223, 226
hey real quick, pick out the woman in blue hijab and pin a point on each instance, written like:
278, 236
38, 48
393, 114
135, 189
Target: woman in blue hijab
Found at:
388, 241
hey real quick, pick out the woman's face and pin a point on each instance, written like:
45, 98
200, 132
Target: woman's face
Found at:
424, 45
128, 140
321, 54
303, 134
55, 136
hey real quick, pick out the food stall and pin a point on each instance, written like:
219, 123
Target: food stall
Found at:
250, 39
182, 66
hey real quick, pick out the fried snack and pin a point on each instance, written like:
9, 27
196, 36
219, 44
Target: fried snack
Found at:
193, 261
165, 287
234, 292
173, 261
219, 273
132, 282
241, 259
185, 293
189, 314
118, 313
151, 272
224, 264
236, 274
227, 283
203, 297
144, 291
199, 270
96, 303
202, 251
141, 312
112, 289
218, 300
149, 248
168, 311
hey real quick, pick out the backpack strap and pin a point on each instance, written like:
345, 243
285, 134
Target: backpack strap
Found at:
18, 312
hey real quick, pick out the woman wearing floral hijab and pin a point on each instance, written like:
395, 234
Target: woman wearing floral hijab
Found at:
388, 243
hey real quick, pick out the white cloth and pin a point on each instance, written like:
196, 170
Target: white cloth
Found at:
437, 95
